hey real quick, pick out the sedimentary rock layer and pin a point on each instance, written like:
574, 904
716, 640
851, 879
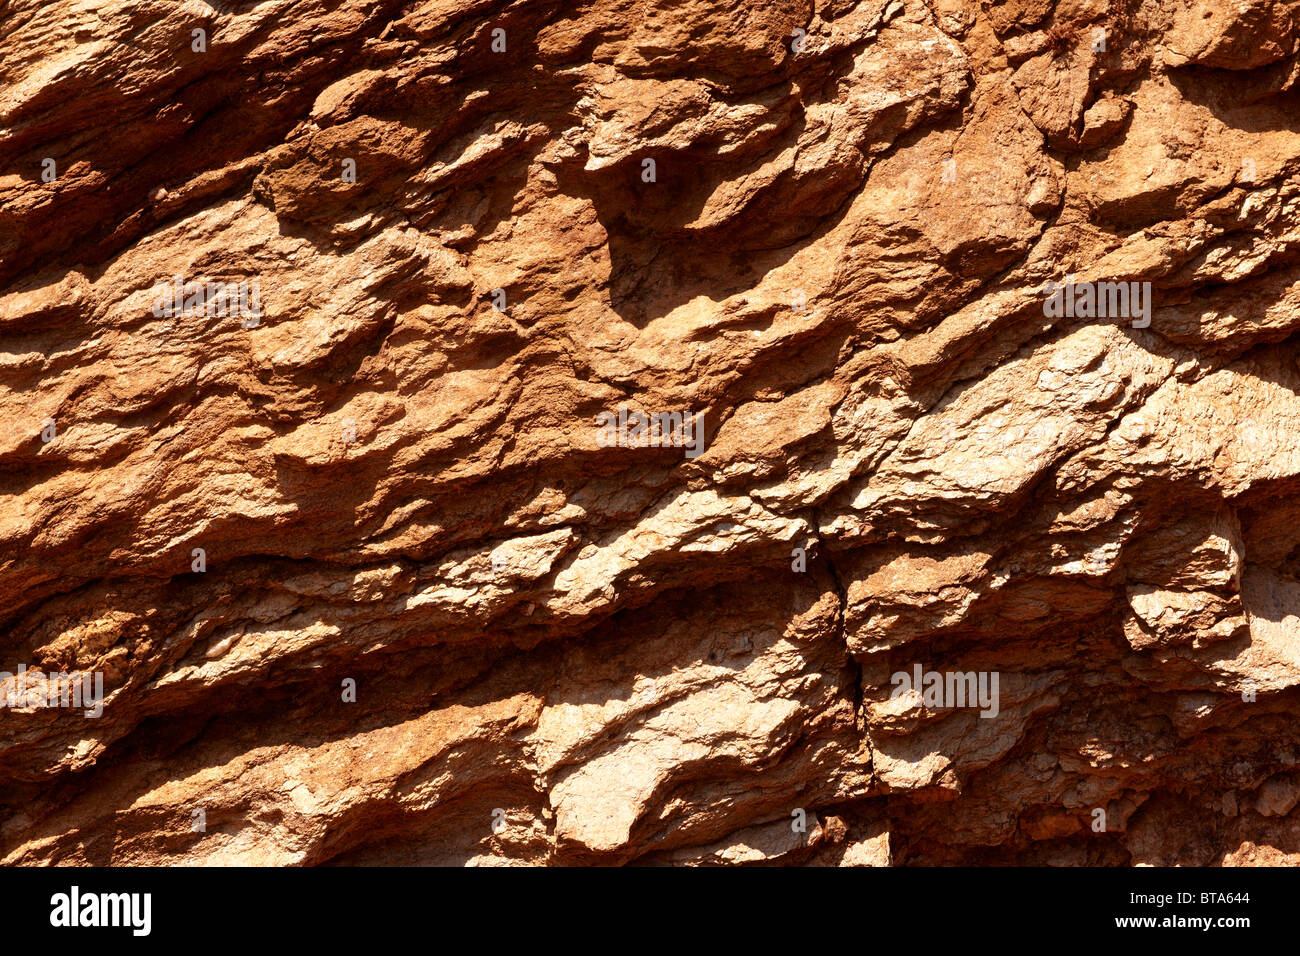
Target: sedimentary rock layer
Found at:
679, 432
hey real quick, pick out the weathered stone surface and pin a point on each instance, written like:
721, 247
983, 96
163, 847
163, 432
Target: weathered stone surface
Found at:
367, 580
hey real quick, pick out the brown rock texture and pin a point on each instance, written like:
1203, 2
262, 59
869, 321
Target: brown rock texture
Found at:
372, 574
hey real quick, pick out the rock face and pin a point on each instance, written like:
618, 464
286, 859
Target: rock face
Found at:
684, 432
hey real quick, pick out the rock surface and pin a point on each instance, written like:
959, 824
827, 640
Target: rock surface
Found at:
367, 579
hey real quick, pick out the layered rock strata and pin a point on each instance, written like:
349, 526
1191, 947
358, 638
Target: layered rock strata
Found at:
680, 432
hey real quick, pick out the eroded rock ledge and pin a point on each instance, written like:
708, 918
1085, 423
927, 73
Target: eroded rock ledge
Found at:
365, 581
